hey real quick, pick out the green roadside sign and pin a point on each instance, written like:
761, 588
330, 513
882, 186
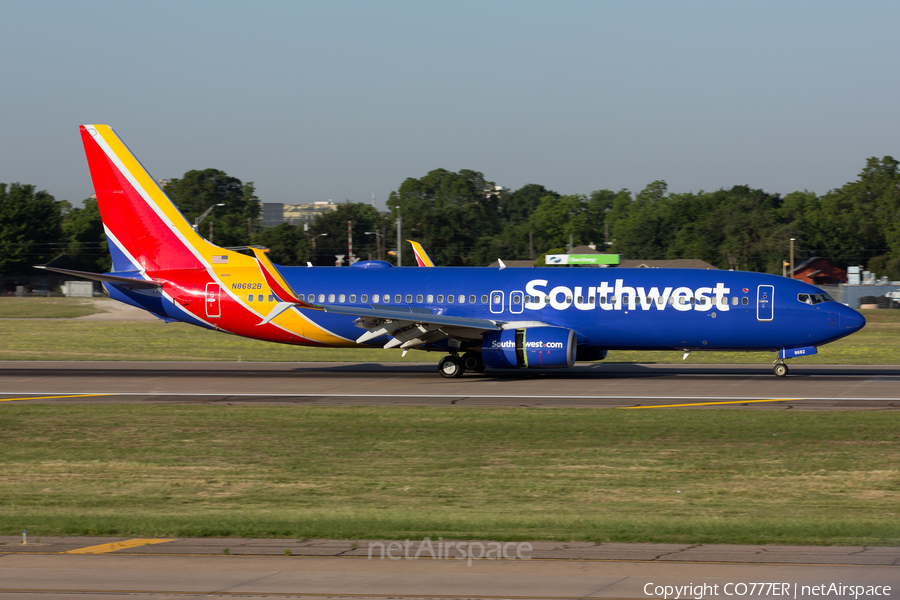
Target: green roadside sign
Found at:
581, 259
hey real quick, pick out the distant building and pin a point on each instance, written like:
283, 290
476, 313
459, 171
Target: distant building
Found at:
819, 271
514, 263
297, 214
678, 263
276, 213
272, 214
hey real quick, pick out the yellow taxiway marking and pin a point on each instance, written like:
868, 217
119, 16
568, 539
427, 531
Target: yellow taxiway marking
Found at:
710, 403
104, 548
52, 397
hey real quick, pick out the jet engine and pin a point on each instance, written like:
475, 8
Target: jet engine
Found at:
531, 348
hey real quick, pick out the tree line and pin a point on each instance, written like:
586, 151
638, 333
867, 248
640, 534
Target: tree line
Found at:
463, 219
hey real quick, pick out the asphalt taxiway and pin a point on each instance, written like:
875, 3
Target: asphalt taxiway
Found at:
808, 387
118, 567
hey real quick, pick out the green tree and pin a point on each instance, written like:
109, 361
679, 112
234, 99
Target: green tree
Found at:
558, 217
198, 190
862, 218
364, 217
30, 228
454, 215
86, 246
288, 244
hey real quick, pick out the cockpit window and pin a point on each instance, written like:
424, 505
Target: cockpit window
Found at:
814, 298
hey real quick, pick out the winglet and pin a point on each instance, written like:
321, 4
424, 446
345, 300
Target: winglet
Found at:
279, 286
502, 265
421, 256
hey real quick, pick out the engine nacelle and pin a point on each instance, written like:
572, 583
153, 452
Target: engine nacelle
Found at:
531, 348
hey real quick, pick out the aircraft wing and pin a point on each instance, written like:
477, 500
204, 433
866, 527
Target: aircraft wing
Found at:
412, 326
117, 279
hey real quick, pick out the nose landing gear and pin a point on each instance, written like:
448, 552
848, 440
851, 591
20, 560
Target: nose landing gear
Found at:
781, 369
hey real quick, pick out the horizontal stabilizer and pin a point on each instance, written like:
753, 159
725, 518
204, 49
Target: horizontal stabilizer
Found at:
116, 279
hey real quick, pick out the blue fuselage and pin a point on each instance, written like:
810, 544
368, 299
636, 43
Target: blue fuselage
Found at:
609, 309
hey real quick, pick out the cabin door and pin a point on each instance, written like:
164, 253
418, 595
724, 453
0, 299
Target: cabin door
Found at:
765, 303
213, 300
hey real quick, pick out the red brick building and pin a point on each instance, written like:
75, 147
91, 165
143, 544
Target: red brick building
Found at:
819, 271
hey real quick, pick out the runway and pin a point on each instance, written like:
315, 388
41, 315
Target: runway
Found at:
59, 567
808, 387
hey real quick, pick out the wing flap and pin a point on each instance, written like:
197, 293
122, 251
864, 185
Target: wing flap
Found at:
419, 316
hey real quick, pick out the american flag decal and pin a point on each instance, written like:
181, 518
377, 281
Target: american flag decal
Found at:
220, 259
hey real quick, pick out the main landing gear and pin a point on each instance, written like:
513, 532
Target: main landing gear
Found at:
453, 366
781, 369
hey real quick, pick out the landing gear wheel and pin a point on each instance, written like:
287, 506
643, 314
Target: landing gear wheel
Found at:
781, 370
450, 367
472, 362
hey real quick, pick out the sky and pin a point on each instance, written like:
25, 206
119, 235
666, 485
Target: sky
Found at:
344, 100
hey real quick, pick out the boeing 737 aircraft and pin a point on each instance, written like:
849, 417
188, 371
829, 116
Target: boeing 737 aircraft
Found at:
507, 318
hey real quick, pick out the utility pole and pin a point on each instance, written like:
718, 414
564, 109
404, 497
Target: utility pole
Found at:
399, 239
792, 258
350, 260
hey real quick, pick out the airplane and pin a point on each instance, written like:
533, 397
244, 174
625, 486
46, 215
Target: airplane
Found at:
505, 318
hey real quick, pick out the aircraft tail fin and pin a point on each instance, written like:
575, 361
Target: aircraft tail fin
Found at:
146, 232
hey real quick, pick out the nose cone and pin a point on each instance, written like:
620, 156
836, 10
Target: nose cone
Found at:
851, 321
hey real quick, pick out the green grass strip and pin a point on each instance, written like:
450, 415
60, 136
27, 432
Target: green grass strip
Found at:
877, 344
682, 476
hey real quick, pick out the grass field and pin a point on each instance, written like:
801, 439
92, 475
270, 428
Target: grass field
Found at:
47, 308
66, 339
682, 476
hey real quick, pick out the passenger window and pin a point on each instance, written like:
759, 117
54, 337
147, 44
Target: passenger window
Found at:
300, 297
342, 298
693, 300
450, 299
409, 298
484, 299
374, 299
250, 299
321, 297
440, 298
591, 300
471, 299
498, 299
744, 301
364, 298
271, 298
259, 298
517, 299
331, 297
397, 298
419, 298
734, 300
580, 300
602, 299
430, 298
385, 298
352, 298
